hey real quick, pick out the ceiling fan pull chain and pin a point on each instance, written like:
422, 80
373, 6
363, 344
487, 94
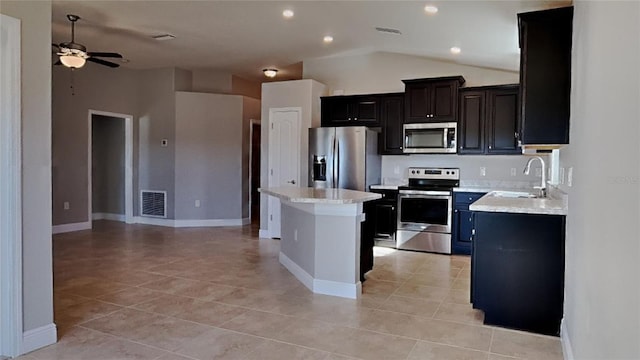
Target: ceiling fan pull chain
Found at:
73, 92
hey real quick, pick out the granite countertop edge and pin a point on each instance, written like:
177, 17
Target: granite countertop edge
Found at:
320, 196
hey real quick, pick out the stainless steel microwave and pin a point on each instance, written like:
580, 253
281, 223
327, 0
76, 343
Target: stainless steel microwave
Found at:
430, 138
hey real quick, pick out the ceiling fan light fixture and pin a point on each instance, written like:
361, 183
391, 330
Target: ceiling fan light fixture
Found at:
72, 61
270, 73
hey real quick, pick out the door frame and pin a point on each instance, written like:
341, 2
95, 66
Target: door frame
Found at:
252, 122
11, 326
272, 200
128, 163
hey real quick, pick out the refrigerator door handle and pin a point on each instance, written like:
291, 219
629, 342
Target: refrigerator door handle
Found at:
337, 169
333, 163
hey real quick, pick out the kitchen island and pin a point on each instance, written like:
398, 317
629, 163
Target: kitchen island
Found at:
320, 237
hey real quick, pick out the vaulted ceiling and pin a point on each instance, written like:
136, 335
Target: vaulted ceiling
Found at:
243, 37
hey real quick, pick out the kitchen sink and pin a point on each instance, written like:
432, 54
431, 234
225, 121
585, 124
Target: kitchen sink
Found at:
513, 194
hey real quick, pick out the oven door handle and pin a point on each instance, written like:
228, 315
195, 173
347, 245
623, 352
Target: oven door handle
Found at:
425, 192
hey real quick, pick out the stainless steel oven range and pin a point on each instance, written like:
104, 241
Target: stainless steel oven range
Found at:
424, 210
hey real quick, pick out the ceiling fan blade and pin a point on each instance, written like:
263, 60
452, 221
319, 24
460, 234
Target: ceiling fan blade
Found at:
103, 62
105, 54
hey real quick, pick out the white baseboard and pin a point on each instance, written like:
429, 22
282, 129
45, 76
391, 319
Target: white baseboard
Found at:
334, 288
264, 234
109, 216
191, 223
318, 286
38, 338
567, 350
65, 228
297, 271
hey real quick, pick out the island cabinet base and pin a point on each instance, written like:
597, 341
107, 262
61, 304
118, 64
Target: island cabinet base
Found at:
320, 246
518, 270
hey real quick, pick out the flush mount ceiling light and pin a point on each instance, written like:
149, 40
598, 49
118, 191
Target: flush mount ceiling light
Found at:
288, 13
328, 39
270, 73
430, 9
455, 50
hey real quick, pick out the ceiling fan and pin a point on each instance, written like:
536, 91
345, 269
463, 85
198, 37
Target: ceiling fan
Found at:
74, 55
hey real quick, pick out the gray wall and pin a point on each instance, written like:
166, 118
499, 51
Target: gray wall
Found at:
37, 280
107, 164
96, 88
156, 111
602, 304
210, 155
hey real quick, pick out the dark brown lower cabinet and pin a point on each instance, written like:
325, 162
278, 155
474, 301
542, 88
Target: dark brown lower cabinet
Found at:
517, 270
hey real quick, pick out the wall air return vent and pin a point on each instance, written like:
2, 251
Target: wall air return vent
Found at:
153, 203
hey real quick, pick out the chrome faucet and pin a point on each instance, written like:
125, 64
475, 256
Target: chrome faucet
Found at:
542, 189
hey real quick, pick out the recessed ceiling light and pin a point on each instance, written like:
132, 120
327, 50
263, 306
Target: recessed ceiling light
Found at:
430, 9
328, 39
288, 13
455, 50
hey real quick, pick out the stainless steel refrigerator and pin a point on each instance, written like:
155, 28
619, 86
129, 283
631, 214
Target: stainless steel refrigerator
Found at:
343, 157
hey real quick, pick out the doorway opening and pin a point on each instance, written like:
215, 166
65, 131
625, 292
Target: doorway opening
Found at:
254, 171
110, 169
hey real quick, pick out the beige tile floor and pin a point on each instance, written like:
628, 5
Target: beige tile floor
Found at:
144, 292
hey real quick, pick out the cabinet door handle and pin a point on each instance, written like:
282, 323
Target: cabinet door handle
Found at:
489, 147
473, 231
456, 210
355, 118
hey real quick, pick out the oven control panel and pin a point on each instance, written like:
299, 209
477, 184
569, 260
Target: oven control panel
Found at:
433, 173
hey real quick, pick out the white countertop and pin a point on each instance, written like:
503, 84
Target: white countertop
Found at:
320, 196
554, 204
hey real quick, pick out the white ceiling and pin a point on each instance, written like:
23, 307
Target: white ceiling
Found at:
243, 37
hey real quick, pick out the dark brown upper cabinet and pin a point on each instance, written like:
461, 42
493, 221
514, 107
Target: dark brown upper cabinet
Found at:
432, 99
545, 75
489, 120
391, 119
355, 110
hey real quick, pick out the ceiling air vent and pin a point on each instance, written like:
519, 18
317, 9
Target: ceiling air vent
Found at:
163, 37
153, 203
388, 30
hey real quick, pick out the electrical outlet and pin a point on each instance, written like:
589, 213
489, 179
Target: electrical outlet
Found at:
483, 171
295, 235
66, 205
513, 171
164, 142
562, 175
197, 203
570, 177
396, 170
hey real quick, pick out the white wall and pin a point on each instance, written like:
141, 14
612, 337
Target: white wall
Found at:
602, 303
37, 281
382, 72
296, 93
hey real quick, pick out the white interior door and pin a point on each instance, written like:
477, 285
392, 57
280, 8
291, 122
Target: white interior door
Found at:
284, 157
